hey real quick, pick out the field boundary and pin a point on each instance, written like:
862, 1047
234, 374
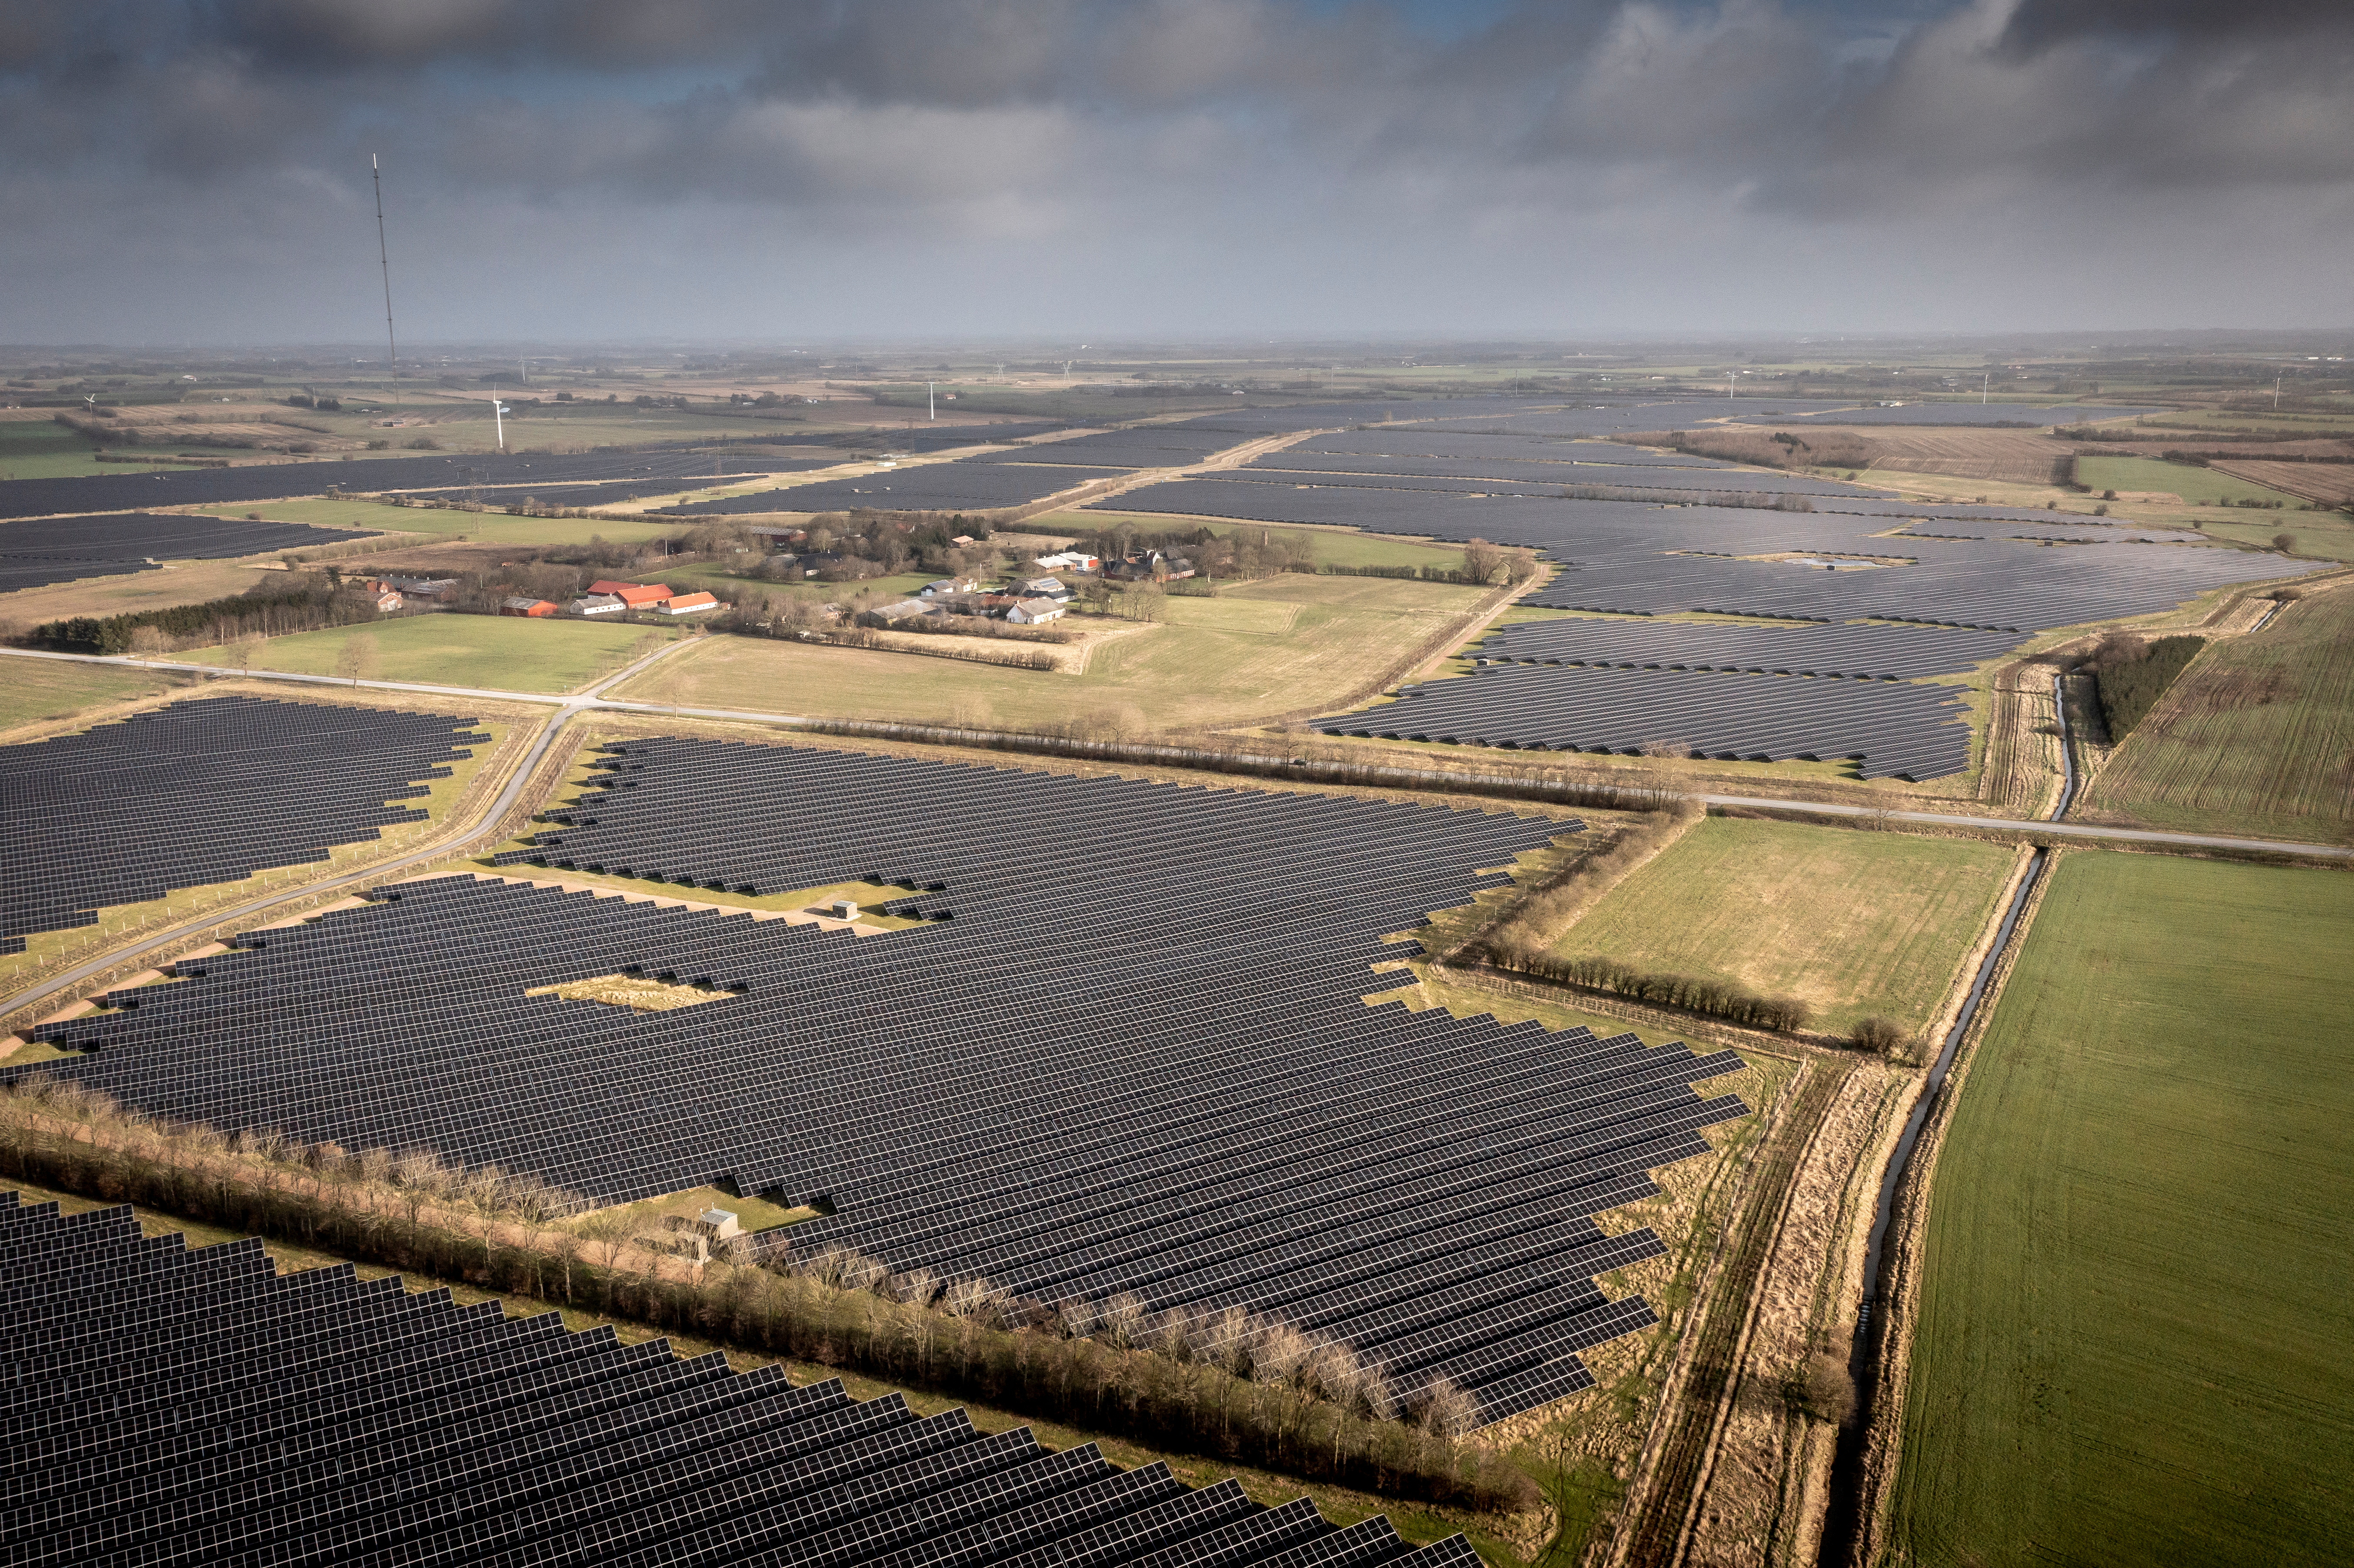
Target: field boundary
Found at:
1906, 1254
1672, 1478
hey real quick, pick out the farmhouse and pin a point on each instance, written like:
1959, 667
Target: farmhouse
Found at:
424, 587
1150, 566
1043, 588
893, 614
689, 604
595, 604
1033, 612
524, 605
947, 586
633, 596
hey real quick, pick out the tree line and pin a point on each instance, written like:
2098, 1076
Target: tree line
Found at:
1230, 1385
301, 602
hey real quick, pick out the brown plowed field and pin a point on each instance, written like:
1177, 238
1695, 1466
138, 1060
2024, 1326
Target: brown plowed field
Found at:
2331, 483
2015, 457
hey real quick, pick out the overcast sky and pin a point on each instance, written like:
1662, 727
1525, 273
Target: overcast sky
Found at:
767, 169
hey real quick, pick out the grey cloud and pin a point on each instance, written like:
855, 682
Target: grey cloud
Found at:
2038, 24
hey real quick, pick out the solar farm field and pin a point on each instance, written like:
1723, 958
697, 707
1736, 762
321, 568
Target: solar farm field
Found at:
493, 527
1420, 1186
1327, 546
488, 651
2137, 1285
601, 1450
2257, 735
1259, 649
121, 825
1854, 923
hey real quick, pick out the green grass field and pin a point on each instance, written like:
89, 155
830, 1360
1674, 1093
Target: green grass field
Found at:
2256, 736
1258, 650
1854, 923
32, 690
2320, 536
490, 528
2193, 484
42, 448
2138, 1286
496, 650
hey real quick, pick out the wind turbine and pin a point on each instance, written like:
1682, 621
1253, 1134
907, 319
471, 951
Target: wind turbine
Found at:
498, 413
383, 258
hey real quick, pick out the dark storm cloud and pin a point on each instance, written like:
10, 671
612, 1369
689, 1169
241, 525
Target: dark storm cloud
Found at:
1388, 146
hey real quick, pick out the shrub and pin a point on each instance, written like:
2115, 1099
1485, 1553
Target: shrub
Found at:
1882, 1036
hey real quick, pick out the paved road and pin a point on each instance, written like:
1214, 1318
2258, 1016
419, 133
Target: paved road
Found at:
589, 699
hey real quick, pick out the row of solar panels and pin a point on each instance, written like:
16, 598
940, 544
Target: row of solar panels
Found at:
176, 1405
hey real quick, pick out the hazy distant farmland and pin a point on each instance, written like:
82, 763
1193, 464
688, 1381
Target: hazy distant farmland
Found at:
2331, 483
2194, 484
2138, 1285
1853, 923
2256, 735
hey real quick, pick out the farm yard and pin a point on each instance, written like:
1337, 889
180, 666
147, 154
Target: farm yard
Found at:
486, 650
2136, 1284
1852, 924
2256, 736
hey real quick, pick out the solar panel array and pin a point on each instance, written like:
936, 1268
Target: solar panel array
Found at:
964, 485
273, 481
203, 791
2002, 573
1860, 651
1146, 446
1955, 414
1128, 1051
1899, 731
33, 553
169, 1405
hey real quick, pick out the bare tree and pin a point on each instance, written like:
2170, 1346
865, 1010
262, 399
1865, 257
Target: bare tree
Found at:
1447, 1411
1481, 561
1122, 1316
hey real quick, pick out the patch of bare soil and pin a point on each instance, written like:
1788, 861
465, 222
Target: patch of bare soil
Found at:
2022, 755
2331, 483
